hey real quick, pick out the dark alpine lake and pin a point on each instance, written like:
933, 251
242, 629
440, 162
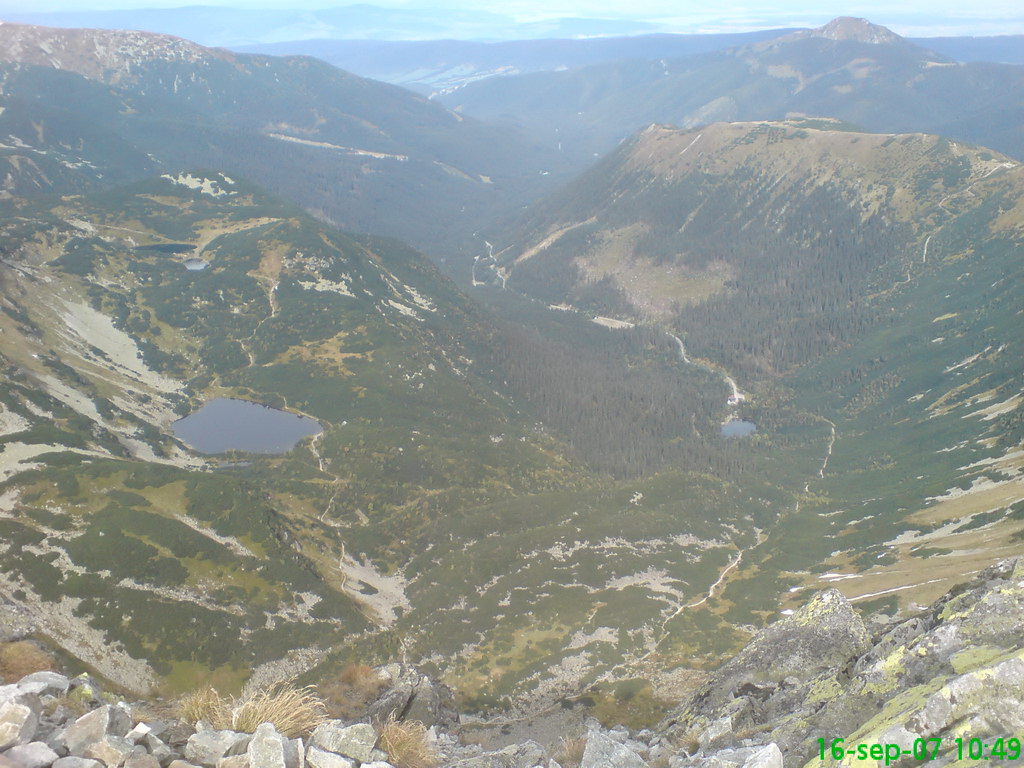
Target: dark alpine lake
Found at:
738, 428
240, 425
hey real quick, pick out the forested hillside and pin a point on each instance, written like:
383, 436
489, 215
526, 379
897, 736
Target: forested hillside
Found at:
84, 109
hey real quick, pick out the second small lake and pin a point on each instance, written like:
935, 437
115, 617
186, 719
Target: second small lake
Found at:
738, 428
241, 425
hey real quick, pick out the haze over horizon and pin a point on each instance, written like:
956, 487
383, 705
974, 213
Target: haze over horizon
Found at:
460, 19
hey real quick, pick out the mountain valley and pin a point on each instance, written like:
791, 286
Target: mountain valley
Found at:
521, 479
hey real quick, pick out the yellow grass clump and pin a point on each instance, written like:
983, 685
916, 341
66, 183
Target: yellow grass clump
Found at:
22, 658
407, 744
570, 752
348, 695
292, 711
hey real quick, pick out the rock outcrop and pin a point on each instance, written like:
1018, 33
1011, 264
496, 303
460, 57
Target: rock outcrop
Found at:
956, 669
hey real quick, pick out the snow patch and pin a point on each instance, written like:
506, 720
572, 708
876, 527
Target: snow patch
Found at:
211, 187
611, 322
329, 286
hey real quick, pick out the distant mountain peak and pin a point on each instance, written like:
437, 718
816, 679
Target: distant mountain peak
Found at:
99, 54
856, 30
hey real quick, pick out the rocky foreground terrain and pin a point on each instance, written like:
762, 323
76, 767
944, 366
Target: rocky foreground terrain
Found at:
953, 670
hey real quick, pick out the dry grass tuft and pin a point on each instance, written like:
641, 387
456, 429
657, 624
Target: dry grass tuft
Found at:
407, 744
686, 742
362, 678
570, 752
206, 705
347, 697
22, 658
293, 711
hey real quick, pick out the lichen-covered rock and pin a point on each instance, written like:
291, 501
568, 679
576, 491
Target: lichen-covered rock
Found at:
205, 748
35, 754
824, 634
956, 669
603, 752
91, 727
19, 717
355, 741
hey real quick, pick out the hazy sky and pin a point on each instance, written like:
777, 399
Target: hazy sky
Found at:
910, 17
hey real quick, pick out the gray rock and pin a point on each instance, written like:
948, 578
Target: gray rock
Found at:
181, 764
176, 734
355, 741
35, 754
415, 696
207, 747
765, 757
136, 734
8, 692
96, 725
320, 758
5, 763
19, 717
269, 749
525, 755
77, 762
603, 752
235, 761
377, 764
139, 758
45, 684
719, 732
295, 753
158, 749
112, 751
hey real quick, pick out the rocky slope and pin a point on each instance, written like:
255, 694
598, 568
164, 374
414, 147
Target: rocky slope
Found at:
953, 670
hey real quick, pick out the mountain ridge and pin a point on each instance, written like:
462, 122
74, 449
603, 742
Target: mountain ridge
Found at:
343, 146
887, 86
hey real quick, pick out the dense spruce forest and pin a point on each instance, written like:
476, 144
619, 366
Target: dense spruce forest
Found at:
801, 280
623, 398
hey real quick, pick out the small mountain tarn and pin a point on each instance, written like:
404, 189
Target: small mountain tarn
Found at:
224, 425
